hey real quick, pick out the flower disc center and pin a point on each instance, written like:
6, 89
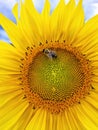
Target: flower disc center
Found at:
55, 78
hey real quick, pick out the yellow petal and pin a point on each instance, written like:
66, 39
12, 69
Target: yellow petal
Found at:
45, 16
76, 22
12, 115
95, 84
9, 59
93, 99
90, 27
88, 34
46, 10
15, 11
9, 83
72, 118
90, 112
30, 22
38, 121
65, 124
8, 99
57, 21
76, 119
24, 119
49, 121
84, 119
13, 32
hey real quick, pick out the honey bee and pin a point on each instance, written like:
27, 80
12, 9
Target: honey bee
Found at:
51, 54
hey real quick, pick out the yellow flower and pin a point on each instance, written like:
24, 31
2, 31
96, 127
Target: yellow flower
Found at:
49, 73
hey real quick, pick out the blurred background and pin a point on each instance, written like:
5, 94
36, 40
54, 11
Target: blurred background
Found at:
90, 8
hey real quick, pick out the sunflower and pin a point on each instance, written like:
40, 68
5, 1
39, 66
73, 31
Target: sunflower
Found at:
49, 71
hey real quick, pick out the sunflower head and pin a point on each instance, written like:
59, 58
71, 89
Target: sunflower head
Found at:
51, 67
55, 78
